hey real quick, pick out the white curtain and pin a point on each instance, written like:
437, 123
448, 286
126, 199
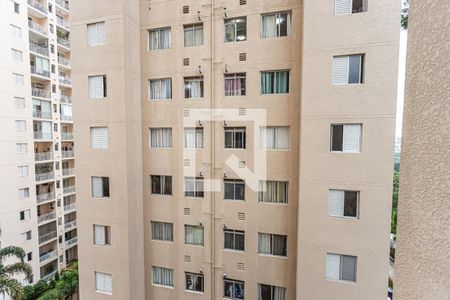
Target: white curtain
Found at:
264, 243
269, 26
196, 89
189, 137
66, 110
281, 138
193, 235
160, 89
161, 137
162, 276
279, 293
160, 39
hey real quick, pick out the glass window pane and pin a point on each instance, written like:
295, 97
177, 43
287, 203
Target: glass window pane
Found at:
282, 21
351, 204
337, 137
239, 191
229, 190
348, 268
230, 32
354, 72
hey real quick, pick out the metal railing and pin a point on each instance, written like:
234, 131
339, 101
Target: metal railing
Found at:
40, 156
66, 118
43, 73
65, 99
37, 5
65, 80
49, 276
47, 217
67, 172
69, 189
66, 135
42, 114
64, 42
48, 236
62, 23
71, 242
38, 28
45, 197
45, 176
36, 48
63, 4
40, 135
70, 225
67, 154
70, 206
63, 61
35, 92
48, 255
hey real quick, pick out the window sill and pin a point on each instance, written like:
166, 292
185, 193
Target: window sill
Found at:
162, 241
274, 203
344, 217
163, 286
341, 281
104, 293
196, 246
234, 251
342, 152
194, 292
273, 256
160, 100
234, 200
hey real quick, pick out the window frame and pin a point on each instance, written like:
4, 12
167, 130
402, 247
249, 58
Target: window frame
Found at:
274, 84
341, 260
187, 83
272, 242
163, 284
234, 141
333, 125
169, 97
235, 244
199, 275
161, 130
277, 15
158, 31
163, 180
242, 77
233, 182
232, 22
197, 182
196, 131
277, 186
358, 197
194, 229
165, 228
194, 28
107, 233
234, 283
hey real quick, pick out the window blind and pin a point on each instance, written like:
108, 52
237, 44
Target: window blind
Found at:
103, 282
99, 137
99, 235
336, 203
162, 276
343, 7
352, 138
97, 187
340, 70
97, 86
96, 34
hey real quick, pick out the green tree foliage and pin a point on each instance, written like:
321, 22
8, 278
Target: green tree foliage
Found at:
405, 14
8, 284
395, 202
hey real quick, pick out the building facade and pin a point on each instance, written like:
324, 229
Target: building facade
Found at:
234, 149
37, 192
422, 256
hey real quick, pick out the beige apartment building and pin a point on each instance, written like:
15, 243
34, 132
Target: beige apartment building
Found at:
235, 149
37, 190
423, 234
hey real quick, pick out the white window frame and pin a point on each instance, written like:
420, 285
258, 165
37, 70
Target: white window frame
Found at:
336, 201
333, 259
158, 45
166, 230
160, 141
102, 281
101, 141
96, 34
166, 276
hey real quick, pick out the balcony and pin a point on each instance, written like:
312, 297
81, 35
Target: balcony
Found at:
48, 255
63, 24
62, 4
68, 172
47, 237
65, 80
71, 242
65, 99
42, 114
37, 28
63, 61
49, 276
67, 154
69, 189
69, 207
63, 42
42, 156
70, 225
45, 176
67, 136
36, 48
35, 92
41, 135
38, 6
40, 198
47, 217
66, 118
43, 73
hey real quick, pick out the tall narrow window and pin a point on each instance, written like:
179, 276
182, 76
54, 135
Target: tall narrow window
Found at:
236, 29
193, 235
16, 31
193, 187
159, 39
344, 7
160, 137
100, 187
234, 189
18, 79
348, 69
343, 203
21, 125
24, 193
97, 86
160, 89
99, 137
16, 55
341, 267
233, 289
235, 137
276, 24
275, 137
234, 239
235, 84
271, 292
273, 191
25, 215
19, 102
22, 171
161, 185
272, 244
102, 235
274, 82
96, 34
193, 137
21, 148
346, 138
103, 283
162, 276
194, 282
193, 35
162, 231
193, 87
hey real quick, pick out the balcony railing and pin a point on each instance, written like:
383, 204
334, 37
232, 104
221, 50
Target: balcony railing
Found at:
67, 154
68, 172
69, 189
64, 42
63, 61
48, 236
42, 114
45, 176
43, 156
63, 4
65, 99
48, 255
49, 276
40, 135
45, 197
71, 242
47, 217
66, 135
62, 23
70, 206
37, 5
70, 225
35, 92
38, 28
43, 73
66, 118
36, 48
65, 80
